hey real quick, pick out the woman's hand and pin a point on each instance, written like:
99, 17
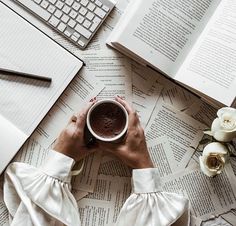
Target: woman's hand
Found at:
71, 140
133, 150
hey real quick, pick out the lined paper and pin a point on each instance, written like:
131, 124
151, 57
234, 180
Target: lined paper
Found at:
24, 101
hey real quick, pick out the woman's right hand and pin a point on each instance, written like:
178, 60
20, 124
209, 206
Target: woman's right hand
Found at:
133, 149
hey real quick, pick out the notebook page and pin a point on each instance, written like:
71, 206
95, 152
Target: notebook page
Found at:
25, 101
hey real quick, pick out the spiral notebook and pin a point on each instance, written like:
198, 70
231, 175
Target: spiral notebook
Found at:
24, 102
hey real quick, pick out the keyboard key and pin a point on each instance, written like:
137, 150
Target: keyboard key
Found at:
80, 19
59, 4
71, 23
84, 2
76, 6
87, 23
105, 8
65, 18
67, 33
100, 13
58, 14
75, 39
38, 1
51, 9
66, 9
87, 34
52, 1
54, 21
89, 15
91, 6
61, 27
73, 14
69, 2
93, 27
98, 3
83, 11
81, 43
77, 35
97, 20
44, 4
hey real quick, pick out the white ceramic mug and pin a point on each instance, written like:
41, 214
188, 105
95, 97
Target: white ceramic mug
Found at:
116, 138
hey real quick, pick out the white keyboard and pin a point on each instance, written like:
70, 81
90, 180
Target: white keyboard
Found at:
77, 20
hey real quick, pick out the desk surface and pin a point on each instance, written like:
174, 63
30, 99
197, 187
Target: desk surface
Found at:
148, 88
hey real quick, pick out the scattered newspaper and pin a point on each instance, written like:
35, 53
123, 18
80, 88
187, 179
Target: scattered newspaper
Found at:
182, 131
104, 184
209, 197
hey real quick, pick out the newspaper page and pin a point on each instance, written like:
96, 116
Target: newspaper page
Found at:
146, 92
112, 190
202, 112
209, 196
32, 153
79, 194
233, 164
4, 218
113, 70
86, 180
172, 94
182, 131
194, 221
216, 222
162, 155
111, 165
230, 217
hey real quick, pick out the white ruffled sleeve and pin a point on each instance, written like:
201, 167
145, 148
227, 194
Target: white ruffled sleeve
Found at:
149, 206
41, 196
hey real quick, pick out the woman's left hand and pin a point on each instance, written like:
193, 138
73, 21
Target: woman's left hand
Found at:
71, 140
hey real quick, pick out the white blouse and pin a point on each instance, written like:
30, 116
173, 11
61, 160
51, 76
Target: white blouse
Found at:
42, 196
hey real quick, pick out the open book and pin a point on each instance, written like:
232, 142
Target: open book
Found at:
193, 42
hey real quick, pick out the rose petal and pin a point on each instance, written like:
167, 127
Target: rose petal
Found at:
216, 148
221, 111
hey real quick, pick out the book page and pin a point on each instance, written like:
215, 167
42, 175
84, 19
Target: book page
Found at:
230, 217
4, 218
113, 70
210, 67
162, 32
162, 156
113, 192
172, 94
111, 165
94, 212
182, 131
146, 92
202, 112
208, 196
86, 180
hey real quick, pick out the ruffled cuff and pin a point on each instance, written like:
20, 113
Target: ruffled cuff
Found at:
44, 192
150, 206
146, 180
58, 165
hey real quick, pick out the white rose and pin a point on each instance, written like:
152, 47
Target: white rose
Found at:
213, 159
223, 128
